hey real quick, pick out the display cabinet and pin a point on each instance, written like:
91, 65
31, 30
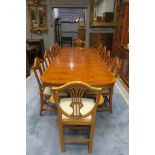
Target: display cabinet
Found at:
104, 38
39, 43
121, 40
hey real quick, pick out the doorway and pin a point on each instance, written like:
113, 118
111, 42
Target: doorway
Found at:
69, 25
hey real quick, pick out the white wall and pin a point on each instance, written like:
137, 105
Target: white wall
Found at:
104, 6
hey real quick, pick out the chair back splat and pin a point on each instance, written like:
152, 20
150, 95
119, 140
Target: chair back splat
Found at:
76, 94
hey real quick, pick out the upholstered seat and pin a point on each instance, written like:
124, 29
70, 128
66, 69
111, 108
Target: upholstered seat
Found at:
47, 91
88, 105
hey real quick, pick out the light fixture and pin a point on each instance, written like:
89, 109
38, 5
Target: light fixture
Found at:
77, 20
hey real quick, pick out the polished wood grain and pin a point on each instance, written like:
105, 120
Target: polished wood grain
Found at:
78, 64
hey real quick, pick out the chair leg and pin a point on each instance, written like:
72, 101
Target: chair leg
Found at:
110, 100
110, 103
41, 107
61, 131
90, 144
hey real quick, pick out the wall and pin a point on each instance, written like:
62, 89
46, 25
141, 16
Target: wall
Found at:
104, 6
123, 1
46, 36
70, 15
75, 3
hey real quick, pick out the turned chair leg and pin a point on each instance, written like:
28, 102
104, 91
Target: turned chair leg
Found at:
41, 107
61, 137
110, 103
90, 144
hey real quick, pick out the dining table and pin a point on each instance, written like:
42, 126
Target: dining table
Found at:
79, 64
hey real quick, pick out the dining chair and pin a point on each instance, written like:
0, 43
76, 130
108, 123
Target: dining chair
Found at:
105, 97
103, 52
57, 47
108, 59
45, 92
109, 63
53, 51
47, 58
115, 66
99, 48
105, 93
76, 112
78, 43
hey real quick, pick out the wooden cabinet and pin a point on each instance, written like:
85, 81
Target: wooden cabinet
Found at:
81, 30
121, 39
124, 70
122, 25
81, 34
104, 38
39, 43
108, 16
121, 35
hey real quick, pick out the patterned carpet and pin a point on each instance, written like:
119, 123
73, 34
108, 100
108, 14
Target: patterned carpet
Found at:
111, 133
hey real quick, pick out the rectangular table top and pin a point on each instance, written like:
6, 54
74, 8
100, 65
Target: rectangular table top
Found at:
78, 64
